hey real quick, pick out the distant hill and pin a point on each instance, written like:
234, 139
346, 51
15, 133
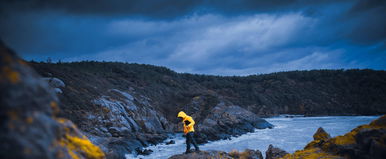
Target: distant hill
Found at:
316, 92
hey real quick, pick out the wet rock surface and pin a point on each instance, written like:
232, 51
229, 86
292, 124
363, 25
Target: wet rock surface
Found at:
203, 155
170, 142
126, 124
226, 121
247, 154
274, 153
143, 151
29, 124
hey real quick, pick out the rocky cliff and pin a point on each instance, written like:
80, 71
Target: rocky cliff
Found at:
30, 127
316, 92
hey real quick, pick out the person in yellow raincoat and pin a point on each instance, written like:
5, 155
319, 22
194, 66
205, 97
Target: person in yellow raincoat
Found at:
188, 131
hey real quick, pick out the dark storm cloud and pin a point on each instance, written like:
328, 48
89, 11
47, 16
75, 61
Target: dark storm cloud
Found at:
160, 8
364, 17
368, 21
212, 37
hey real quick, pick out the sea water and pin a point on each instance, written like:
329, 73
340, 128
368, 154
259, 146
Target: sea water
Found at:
289, 134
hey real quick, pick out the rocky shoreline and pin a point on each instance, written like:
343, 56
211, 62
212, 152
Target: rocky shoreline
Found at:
365, 142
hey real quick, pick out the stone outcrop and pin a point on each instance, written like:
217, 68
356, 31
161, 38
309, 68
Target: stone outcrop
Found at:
274, 153
247, 154
320, 137
226, 121
55, 83
365, 141
124, 124
29, 124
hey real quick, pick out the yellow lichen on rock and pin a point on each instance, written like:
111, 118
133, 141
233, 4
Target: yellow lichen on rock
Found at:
29, 120
344, 140
11, 75
73, 155
54, 106
77, 146
312, 144
321, 135
311, 153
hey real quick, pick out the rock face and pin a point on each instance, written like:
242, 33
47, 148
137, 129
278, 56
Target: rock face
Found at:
29, 124
122, 115
247, 154
124, 124
55, 83
366, 141
226, 121
320, 137
274, 153
321, 134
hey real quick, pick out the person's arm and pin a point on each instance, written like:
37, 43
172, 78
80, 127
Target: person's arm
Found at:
191, 122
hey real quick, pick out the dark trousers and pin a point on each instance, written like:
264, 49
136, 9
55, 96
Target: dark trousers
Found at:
190, 140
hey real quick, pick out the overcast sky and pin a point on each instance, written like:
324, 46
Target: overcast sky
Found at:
235, 37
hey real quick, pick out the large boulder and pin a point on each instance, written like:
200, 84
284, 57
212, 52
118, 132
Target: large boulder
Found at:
125, 123
274, 153
55, 83
29, 124
320, 137
247, 154
321, 134
225, 121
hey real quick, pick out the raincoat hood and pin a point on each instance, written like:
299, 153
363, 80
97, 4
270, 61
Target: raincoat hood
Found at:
181, 114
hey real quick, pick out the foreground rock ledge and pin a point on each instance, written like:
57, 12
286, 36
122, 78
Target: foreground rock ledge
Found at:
247, 154
29, 124
274, 152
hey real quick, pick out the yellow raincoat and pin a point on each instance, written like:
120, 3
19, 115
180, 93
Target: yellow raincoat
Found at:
187, 119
